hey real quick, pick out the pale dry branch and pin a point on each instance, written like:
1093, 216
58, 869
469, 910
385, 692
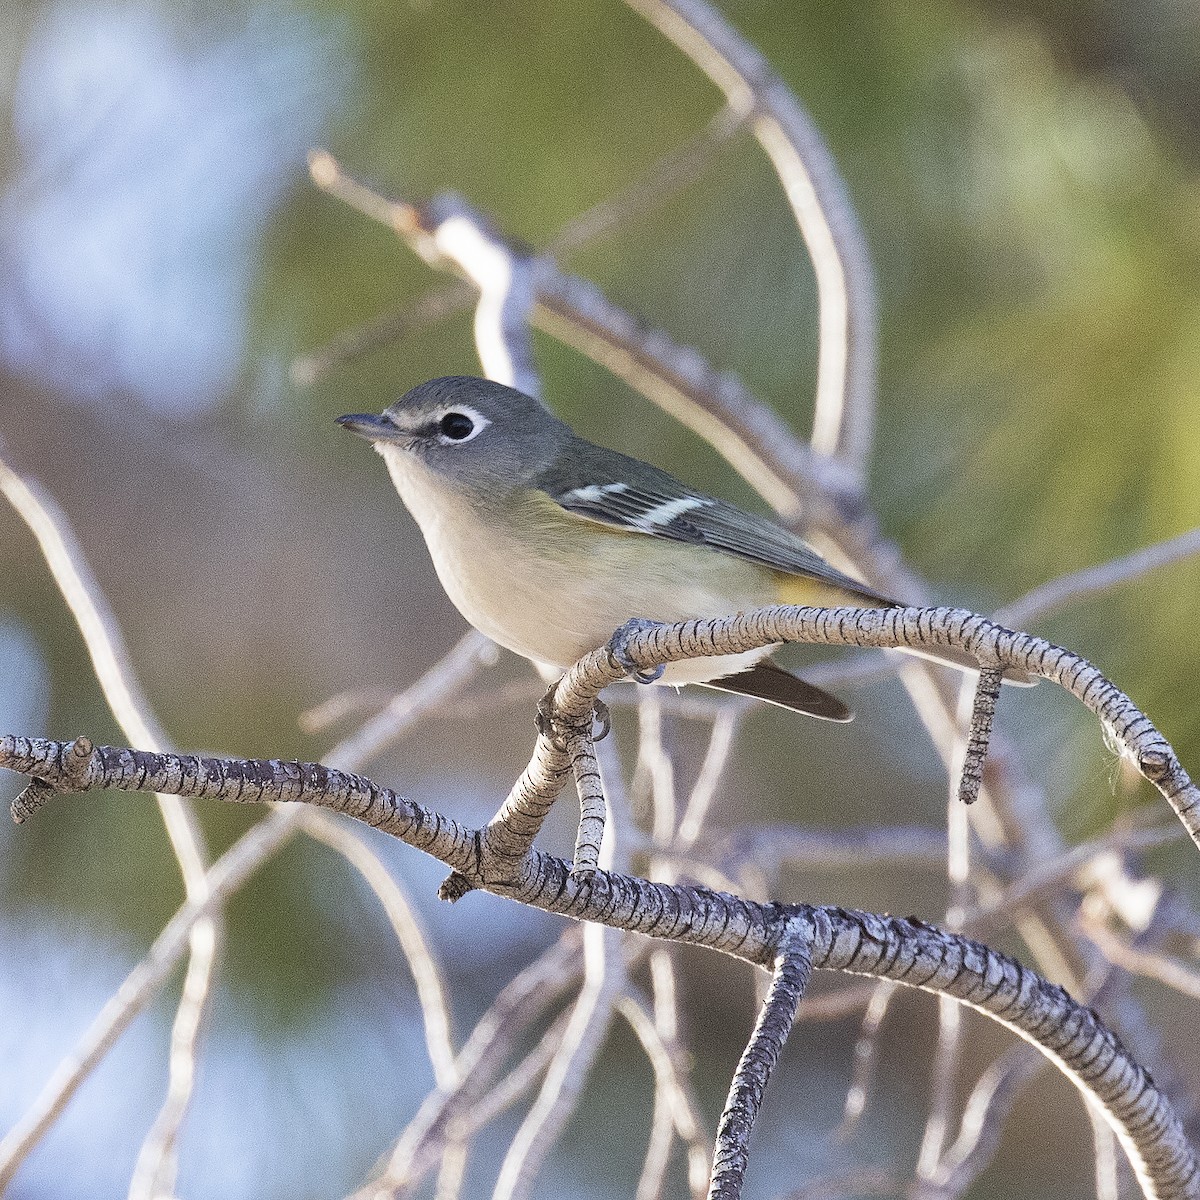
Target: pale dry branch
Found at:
985, 1116
866, 1054
776, 845
675, 1109
426, 972
681, 165
569, 1069
1083, 585
433, 306
837, 1003
453, 1169
656, 767
506, 295
437, 687
516, 1083
678, 167
665, 992
138, 988
860, 1181
1138, 960
712, 766
658, 1148
944, 1066
1108, 1182
1059, 871
520, 1003
222, 880
156, 1167
717, 406
519, 1080
844, 419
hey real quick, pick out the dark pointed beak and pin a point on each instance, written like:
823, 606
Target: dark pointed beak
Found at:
373, 428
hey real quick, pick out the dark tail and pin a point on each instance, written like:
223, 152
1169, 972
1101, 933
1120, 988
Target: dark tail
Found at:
768, 681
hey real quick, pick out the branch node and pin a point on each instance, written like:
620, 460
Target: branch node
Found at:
74, 775
454, 887
34, 797
1155, 764
559, 732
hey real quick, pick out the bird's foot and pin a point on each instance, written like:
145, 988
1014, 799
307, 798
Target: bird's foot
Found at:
557, 732
619, 653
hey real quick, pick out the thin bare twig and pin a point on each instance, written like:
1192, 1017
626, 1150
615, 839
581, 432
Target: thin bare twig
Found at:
859, 1181
717, 406
224, 878
985, 1116
435, 305
1108, 1182
155, 1171
443, 682
1152, 964
866, 1054
426, 972
716, 758
570, 1067
520, 1003
680, 166
674, 1108
1051, 597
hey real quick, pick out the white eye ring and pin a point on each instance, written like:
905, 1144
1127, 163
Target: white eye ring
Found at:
478, 421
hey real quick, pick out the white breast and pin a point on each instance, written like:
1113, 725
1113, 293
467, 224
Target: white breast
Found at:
542, 596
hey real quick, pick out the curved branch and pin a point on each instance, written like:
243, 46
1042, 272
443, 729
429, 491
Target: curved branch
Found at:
716, 406
843, 424
155, 1170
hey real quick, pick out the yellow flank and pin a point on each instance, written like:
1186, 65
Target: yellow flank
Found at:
801, 589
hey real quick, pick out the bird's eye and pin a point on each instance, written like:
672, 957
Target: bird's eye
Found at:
456, 426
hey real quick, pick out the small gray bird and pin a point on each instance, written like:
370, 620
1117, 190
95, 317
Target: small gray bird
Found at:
548, 543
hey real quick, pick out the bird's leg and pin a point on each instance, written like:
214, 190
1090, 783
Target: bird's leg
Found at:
619, 653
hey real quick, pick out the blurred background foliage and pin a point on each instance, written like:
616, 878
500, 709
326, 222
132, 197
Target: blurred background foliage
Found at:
1027, 177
